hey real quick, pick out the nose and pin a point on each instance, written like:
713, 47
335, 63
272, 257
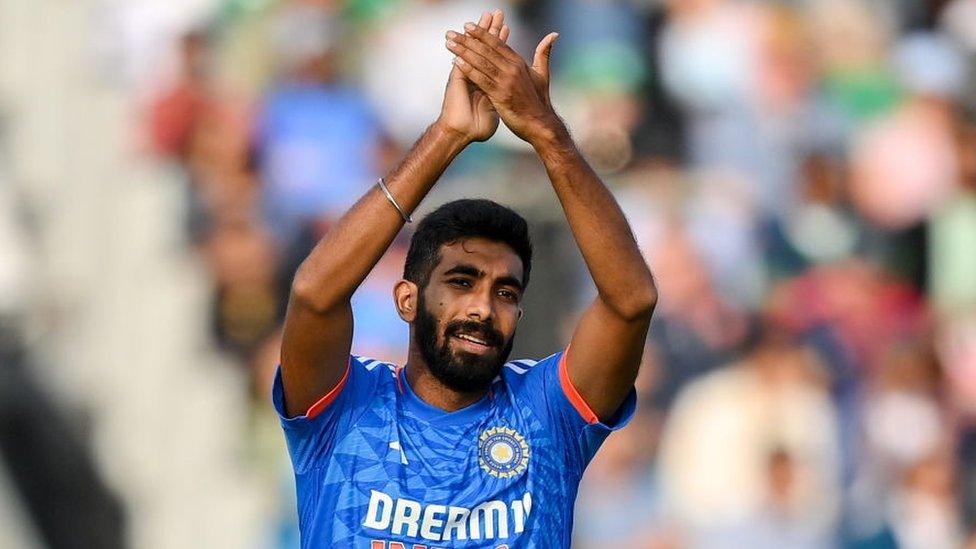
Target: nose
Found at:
479, 306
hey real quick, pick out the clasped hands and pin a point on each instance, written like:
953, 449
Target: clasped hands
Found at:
519, 93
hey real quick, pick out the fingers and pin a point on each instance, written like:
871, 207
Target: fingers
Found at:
497, 21
476, 77
484, 22
493, 42
540, 62
479, 56
462, 41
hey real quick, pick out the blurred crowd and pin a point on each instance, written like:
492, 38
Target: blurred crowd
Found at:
800, 174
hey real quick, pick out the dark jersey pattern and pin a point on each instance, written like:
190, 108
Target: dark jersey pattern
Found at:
378, 468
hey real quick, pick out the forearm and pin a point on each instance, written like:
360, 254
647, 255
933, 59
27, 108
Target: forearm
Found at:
601, 231
348, 252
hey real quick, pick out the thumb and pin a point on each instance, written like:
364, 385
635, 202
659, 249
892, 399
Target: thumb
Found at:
455, 76
540, 63
456, 92
456, 81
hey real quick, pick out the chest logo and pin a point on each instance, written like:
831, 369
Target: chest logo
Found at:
502, 452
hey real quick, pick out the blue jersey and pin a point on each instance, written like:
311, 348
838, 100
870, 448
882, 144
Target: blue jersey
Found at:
378, 468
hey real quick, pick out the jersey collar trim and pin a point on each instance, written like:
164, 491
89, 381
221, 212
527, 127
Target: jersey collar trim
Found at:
426, 412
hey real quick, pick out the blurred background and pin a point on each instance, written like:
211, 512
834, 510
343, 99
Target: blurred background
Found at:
800, 174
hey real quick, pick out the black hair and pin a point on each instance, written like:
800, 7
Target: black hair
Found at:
462, 219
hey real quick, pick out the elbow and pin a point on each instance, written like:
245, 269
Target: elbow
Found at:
643, 307
310, 294
303, 293
638, 304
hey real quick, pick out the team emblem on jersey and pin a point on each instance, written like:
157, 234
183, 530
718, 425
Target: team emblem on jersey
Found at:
502, 452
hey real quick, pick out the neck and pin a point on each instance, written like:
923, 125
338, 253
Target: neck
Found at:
430, 389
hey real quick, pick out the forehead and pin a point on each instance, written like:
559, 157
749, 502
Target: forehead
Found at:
494, 258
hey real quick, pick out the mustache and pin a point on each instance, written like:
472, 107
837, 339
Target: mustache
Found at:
480, 330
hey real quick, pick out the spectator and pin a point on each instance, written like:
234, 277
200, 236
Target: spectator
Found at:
318, 142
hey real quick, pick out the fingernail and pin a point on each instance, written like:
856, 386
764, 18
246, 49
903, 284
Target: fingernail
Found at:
452, 35
469, 26
451, 44
458, 61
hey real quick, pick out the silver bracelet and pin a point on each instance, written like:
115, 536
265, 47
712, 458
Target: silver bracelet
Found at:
393, 201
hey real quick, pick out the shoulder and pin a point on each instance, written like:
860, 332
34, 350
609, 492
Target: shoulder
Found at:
364, 365
524, 370
520, 366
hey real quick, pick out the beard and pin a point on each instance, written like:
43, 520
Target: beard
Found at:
460, 370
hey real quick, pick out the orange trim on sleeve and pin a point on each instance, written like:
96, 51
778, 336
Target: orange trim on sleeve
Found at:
572, 394
324, 402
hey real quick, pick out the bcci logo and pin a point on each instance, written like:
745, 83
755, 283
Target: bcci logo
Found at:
502, 452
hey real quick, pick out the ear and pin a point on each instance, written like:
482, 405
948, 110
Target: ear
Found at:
405, 294
520, 314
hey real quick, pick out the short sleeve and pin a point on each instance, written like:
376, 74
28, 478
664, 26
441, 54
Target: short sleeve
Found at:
546, 384
311, 436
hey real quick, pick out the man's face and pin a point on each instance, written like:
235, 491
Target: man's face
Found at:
467, 314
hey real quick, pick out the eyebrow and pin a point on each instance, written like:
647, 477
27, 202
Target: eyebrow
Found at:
474, 272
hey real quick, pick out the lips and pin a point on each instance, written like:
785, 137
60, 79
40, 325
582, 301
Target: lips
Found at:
474, 337
471, 345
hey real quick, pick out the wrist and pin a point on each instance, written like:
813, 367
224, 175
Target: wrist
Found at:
552, 137
445, 134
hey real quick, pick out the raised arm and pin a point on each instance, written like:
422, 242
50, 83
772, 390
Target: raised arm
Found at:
607, 345
319, 324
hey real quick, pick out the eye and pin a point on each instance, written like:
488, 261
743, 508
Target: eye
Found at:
508, 295
460, 282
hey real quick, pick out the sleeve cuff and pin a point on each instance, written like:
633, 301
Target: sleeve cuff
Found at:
620, 418
325, 401
278, 397
572, 394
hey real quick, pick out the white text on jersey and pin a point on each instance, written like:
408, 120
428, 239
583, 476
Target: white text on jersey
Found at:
405, 517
